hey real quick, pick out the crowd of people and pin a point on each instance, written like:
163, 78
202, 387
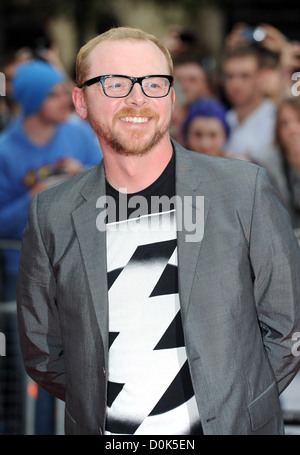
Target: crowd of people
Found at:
237, 106
241, 107
233, 107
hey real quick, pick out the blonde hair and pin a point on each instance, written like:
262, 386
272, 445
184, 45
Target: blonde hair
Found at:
113, 34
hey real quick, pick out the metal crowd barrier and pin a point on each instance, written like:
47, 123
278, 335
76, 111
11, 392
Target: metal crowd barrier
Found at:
18, 392
12, 373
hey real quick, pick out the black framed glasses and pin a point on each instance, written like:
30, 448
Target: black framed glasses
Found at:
118, 86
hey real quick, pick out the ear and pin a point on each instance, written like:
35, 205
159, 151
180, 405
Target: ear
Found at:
79, 102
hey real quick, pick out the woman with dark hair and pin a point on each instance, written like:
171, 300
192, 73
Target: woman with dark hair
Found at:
205, 129
288, 139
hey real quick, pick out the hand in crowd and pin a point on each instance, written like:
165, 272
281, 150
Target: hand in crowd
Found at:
290, 57
69, 166
289, 51
274, 40
236, 37
242, 34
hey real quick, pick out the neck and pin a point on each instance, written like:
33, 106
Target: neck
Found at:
246, 109
37, 130
135, 173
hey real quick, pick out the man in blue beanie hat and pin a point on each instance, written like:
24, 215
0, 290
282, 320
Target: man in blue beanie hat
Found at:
41, 146
33, 82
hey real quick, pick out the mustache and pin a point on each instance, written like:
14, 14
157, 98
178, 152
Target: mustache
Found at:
131, 112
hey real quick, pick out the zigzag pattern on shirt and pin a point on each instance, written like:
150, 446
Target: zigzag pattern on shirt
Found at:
146, 338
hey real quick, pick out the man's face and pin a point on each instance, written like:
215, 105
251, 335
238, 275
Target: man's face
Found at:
241, 75
193, 81
135, 124
57, 106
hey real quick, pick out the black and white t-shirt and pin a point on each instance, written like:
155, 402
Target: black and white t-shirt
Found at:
150, 390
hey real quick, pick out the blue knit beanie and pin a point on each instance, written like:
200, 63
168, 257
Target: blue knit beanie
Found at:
32, 83
206, 107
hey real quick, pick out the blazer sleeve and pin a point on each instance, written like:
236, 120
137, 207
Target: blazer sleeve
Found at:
275, 258
40, 336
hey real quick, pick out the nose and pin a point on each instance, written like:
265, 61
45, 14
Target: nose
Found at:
136, 97
205, 142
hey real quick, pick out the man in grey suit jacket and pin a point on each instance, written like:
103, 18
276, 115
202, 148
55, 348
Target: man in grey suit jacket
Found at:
156, 318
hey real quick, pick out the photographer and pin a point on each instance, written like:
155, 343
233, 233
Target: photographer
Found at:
280, 57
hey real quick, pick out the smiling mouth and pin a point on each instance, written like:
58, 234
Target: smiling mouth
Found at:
135, 119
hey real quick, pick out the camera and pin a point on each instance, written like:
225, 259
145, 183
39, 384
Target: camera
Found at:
254, 35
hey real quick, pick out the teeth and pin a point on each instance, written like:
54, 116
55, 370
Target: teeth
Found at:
135, 119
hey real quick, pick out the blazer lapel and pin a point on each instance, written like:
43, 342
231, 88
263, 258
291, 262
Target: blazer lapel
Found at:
93, 248
196, 207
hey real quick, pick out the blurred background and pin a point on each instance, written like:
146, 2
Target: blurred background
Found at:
55, 30
67, 24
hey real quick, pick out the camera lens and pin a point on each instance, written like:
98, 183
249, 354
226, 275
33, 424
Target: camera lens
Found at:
259, 34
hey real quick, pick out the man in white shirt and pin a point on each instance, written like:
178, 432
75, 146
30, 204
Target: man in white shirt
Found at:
252, 117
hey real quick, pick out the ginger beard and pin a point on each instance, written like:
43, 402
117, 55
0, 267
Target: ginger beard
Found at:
134, 141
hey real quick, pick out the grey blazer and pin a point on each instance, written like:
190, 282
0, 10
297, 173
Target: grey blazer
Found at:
239, 291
